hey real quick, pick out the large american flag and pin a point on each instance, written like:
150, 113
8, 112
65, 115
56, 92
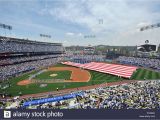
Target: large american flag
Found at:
113, 69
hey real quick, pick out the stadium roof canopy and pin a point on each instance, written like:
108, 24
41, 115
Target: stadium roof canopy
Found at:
9, 39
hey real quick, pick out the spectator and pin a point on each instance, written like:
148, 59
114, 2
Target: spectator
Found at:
138, 95
142, 62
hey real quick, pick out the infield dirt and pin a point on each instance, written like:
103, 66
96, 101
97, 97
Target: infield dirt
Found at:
77, 75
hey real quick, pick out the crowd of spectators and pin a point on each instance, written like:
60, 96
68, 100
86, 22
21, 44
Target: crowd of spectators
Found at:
137, 95
18, 45
16, 69
15, 64
15, 60
142, 62
88, 57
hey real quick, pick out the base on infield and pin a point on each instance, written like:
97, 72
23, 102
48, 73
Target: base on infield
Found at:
77, 75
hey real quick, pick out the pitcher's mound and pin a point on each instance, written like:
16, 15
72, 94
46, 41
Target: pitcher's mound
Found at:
53, 75
24, 82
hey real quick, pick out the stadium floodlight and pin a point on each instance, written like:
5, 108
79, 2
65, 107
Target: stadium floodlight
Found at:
4, 26
89, 36
44, 35
147, 41
150, 27
100, 21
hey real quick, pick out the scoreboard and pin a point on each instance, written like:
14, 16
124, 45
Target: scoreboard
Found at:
147, 48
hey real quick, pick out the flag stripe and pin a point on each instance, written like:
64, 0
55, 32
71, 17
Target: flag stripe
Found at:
114, 69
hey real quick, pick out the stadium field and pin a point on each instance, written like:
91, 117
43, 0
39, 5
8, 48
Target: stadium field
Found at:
54, 74
96, 78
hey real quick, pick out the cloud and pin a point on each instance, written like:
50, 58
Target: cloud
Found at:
70, 34
116, 14
74, 34
80, 34
71, 20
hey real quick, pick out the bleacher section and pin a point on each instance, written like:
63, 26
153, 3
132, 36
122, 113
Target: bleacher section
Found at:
16, 45
18, 56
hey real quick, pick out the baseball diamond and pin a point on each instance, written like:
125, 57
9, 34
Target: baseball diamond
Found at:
80, 54
77, 77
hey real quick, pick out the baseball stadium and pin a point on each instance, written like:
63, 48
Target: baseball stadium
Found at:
40, 73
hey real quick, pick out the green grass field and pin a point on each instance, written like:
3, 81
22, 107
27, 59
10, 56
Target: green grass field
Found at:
96, 78
60, 75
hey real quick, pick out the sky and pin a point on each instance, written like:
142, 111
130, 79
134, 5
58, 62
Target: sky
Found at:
82, 22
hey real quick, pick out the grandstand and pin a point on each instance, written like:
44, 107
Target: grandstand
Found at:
133, 95
85, 58
125, 96
141, 62
114, 70
20, 56
16, 45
